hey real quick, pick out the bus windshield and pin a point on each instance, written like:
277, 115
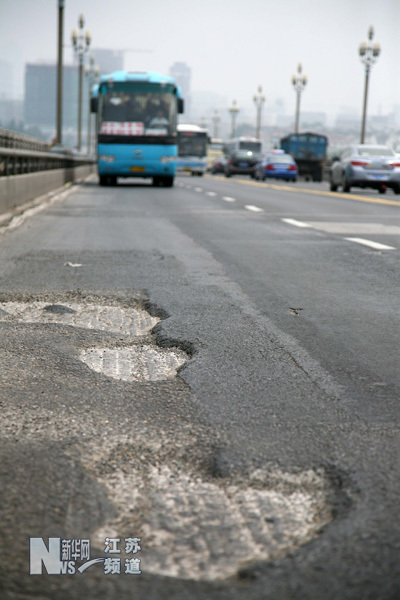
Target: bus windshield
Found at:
137, 109
217, 146
192, 143
253, 146
243, 143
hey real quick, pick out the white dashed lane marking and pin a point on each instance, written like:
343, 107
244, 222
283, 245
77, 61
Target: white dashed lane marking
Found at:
329, 227
370, 244
347, 227
371, 228
253, 208
296, 223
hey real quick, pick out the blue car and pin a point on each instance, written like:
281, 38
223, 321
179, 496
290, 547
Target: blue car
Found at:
278, 165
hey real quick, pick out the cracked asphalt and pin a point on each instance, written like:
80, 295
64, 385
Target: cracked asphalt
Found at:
283, 399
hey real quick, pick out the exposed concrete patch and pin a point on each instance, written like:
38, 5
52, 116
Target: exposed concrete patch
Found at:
194, 526
114, 319
144, 362
135, 363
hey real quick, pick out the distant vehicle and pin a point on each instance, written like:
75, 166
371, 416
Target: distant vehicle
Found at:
366, 166
241, 162
243, 143
309, 151
215, 150
218, 165
276, 164
192, 149
60, 149
136, 126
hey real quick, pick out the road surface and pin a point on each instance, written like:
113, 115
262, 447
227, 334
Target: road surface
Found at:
211, 368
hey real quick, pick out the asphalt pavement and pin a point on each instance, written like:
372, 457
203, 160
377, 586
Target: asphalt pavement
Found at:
264, 461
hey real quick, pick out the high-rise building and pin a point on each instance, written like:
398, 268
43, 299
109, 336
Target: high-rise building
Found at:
41, 93
182, 75
108, 60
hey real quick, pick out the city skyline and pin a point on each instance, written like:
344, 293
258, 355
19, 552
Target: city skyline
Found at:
230, 50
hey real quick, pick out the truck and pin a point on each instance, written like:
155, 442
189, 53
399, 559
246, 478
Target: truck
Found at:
309, 151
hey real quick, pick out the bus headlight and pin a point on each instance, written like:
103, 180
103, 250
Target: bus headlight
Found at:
167, 159
107, 157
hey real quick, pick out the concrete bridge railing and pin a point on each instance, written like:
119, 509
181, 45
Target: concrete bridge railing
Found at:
29, 168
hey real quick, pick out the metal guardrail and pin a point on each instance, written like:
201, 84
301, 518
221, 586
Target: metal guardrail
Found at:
18, 162
20, 154
20, 141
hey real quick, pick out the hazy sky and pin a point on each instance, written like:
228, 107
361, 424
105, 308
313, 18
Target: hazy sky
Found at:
232, 47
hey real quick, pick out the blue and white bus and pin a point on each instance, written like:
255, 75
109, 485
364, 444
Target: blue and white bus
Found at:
137, 126
192, 149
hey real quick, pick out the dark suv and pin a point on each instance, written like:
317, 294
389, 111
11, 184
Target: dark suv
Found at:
241, 162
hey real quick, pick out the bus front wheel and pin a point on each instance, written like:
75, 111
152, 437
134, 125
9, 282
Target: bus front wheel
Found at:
168, 181
108, 180
164, 181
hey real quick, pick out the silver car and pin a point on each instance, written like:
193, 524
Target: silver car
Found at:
366, 166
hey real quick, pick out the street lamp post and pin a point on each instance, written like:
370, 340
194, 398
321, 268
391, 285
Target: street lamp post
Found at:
80, 42
299, 82
234, 109
258, 100
59, 70
216, 121
369, 53
92, 73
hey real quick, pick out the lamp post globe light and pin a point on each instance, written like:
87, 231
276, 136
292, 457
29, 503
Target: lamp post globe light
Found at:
369, 53
80, 43
258, 100
92, 72
299, 82
234, 109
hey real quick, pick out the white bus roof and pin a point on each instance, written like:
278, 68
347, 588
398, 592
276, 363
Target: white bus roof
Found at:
189, 127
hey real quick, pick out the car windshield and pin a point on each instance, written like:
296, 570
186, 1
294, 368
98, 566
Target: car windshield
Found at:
253, 146
374, 151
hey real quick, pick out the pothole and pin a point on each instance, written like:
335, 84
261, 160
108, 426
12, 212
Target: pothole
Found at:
135, 363
202, 528
144, 362
114, 319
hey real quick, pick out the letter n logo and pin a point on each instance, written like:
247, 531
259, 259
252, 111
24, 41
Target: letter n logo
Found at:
41, 556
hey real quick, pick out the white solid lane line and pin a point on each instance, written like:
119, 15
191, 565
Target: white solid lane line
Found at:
370, 244
253, 208
296, 223
228, 199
